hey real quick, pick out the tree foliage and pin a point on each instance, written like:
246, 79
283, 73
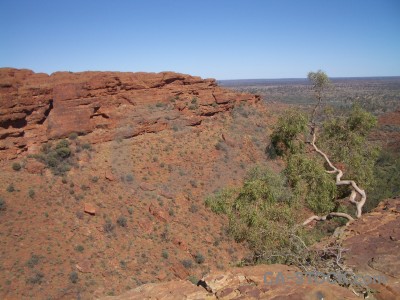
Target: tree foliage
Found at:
266, 210
261, 212
319, 81
344, 139
310, 181
285, 139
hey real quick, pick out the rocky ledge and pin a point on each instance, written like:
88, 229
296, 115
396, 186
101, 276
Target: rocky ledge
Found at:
36, 107
371, 247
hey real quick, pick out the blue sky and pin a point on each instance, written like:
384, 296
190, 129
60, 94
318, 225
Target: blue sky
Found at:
209, 38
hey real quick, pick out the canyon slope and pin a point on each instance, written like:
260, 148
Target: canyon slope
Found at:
144, 152
126, 219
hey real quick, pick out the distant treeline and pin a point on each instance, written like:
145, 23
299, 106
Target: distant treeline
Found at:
395, 80
376, 94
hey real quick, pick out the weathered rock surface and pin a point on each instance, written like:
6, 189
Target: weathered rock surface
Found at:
36, 107
373, 244
241, 283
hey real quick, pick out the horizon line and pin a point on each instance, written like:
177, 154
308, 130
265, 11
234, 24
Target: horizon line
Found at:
301, 78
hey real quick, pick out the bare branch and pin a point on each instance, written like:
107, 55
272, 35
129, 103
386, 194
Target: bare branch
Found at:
332, 214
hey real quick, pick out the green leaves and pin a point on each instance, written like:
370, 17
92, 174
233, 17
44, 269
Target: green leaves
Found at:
260, 212
319, 80
344, 139
311, 182
285, 137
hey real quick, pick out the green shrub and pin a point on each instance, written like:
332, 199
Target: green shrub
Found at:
63, 152
199, 258
31, 193
59, 158
79, 248
37, 278
220, 202
62, 144
16, 166
73, 136
108, 227
73, 277
130, 210
187, 263
262, 212
3, 204
10, 188
33, 261
284, 137
87, 146
165, 254
193, 279
121, 221
344, 139
310, 181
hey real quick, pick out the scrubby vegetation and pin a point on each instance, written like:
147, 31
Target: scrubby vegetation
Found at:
3, 205
267, 212
58, 158
16, 166
62, 156
262, 212
376, 95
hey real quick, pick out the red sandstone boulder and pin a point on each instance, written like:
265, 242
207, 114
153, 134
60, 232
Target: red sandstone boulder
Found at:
89, 209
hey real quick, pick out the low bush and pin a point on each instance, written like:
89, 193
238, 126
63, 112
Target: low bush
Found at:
37, 278
199, 258
73, 277
108, 227
58, 158
16, 166
3, 205
121, 221
262, 212
10, 188
187, 263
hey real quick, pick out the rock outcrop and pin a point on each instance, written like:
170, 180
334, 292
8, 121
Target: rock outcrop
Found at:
372, 245
256, 282
36, 107
373, 248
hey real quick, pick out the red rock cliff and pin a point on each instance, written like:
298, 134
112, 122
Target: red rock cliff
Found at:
36, 107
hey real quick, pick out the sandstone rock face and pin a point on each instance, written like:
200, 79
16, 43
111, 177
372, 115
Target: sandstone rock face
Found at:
373, 244
104, 106
240, 283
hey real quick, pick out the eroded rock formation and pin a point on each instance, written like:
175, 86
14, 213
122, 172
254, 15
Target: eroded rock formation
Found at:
36, 107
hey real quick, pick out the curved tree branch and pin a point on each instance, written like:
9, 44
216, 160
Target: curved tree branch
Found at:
355, 188
332, 214
320, 81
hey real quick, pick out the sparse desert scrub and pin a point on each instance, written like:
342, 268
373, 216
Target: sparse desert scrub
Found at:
16, 166
3, 205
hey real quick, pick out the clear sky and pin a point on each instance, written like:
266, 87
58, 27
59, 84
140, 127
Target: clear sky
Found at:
232, 39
